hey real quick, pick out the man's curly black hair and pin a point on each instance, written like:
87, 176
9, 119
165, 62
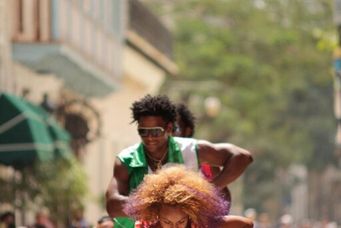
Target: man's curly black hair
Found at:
154, 106
186, 116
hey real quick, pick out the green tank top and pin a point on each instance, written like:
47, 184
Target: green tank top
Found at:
180, 151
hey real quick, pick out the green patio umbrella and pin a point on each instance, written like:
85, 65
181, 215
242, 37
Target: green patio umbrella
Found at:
28, 133
60, 137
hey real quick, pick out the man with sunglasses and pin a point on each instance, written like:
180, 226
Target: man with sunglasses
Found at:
155, 116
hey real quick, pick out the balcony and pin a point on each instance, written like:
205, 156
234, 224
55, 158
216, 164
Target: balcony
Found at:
149, 36
79, 41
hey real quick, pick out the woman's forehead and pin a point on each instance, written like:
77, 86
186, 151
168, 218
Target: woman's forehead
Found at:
170, 210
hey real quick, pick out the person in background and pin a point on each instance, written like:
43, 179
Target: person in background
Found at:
78, 220
185, 127
7, 220
286, 221
105, 222
155, 116
185, 122
42, 220
181, 198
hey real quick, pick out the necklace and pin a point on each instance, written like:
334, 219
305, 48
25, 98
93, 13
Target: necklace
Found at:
158, 162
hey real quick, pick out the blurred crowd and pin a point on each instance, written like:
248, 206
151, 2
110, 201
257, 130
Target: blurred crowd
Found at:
43, 220
262, 220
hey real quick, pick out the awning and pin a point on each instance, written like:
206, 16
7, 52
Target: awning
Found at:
27, 134
60, 137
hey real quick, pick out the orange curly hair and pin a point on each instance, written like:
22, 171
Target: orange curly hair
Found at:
180, 187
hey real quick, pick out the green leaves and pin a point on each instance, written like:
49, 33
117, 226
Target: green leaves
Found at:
59, 185
271, 63
62, 186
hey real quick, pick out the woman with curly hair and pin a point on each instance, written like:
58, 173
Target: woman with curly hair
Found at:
179, 198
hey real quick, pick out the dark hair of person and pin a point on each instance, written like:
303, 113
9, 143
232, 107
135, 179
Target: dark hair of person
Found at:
39, 226
154, 106
104, 219
5, 215
186, 116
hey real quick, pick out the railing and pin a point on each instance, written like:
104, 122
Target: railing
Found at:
149, 27
92, 28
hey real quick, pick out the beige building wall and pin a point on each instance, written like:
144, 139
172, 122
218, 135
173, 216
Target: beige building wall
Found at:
7, 80
140, 78
36, 84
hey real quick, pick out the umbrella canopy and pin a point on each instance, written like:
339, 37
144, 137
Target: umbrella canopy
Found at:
27, 134
60, 137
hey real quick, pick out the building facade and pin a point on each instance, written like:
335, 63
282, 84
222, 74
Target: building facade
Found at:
6, 76
90, 60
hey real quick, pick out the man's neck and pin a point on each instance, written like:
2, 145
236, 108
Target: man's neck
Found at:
159, 156
156, 164
160, 153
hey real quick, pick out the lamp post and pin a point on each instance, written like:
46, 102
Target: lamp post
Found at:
212, 106
337, 75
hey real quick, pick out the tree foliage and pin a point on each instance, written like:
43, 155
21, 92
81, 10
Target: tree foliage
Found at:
62, 187
269, 63
59, 186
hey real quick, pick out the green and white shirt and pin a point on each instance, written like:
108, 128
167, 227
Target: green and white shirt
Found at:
180, 151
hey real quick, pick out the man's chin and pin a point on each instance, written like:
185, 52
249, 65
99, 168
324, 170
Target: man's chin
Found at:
152, 149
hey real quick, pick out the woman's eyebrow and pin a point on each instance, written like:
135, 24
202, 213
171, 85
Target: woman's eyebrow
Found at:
186, 216
176, 221
163, 218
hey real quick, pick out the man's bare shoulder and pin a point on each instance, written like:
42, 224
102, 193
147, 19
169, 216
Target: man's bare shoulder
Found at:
120, 170
128, 150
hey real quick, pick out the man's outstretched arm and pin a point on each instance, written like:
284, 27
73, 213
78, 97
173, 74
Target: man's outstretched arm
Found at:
236, 222
118, 189
233, 159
